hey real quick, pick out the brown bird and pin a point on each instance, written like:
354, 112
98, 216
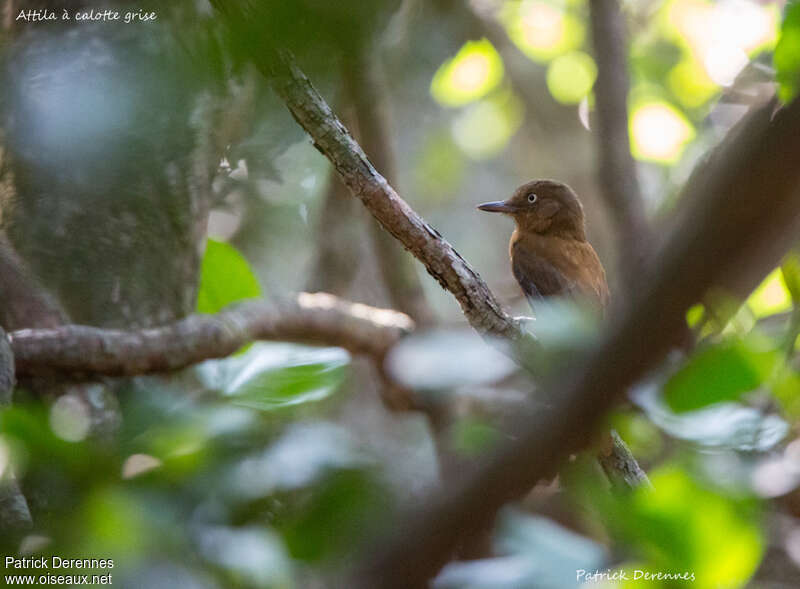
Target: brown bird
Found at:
551, 257
549, 252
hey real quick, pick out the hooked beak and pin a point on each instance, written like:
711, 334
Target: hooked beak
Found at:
498, 206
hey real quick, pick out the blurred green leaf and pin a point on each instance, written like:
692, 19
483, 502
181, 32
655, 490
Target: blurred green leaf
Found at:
250, 553
720, 372
771, 296
304, 455
471, 436
694, 315
722, 425
533, 552
116, 524
335, 517
790, 272
441, 359
787, 53
683, 526
690, 84
225, 278
273, 376
786, 389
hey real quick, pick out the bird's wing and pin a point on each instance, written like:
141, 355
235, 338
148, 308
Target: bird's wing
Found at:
539, 278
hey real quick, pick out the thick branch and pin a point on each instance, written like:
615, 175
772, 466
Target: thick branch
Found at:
309, 318
741, 215
615, 165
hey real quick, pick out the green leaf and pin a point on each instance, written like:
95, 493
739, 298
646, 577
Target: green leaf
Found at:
335, 517
274, 376
720, 372
787, 53
727, 425
529, 551
790, 272
683, 526
225, 278
771, 296
472, 436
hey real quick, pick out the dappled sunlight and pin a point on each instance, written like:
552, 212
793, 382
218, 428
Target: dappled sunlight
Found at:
659, 132
570, 77
542, 30
474, 71
771, 296
722, 35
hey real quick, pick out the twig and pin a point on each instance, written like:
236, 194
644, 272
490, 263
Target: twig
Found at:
309, 318
615, 165
620, 466
726, 229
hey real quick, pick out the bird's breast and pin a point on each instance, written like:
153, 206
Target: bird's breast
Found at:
575, 261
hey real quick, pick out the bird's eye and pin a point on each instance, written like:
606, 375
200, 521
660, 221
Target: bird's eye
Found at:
532, 197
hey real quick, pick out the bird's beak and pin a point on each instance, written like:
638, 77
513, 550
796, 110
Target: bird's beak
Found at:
498, 206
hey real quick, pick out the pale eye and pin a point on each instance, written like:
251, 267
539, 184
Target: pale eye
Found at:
532, 198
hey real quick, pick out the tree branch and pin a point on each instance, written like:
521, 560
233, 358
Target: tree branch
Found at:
615, 166
439, 258
309, 318
741, 215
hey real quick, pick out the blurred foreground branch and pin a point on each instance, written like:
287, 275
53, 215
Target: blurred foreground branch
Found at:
740, 216
309, 318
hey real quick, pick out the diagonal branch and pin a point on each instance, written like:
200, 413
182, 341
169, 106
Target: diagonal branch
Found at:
440, 259
309, 318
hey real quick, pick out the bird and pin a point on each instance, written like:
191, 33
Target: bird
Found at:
550, 255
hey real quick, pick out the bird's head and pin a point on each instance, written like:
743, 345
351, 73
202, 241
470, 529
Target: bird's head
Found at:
543, 206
